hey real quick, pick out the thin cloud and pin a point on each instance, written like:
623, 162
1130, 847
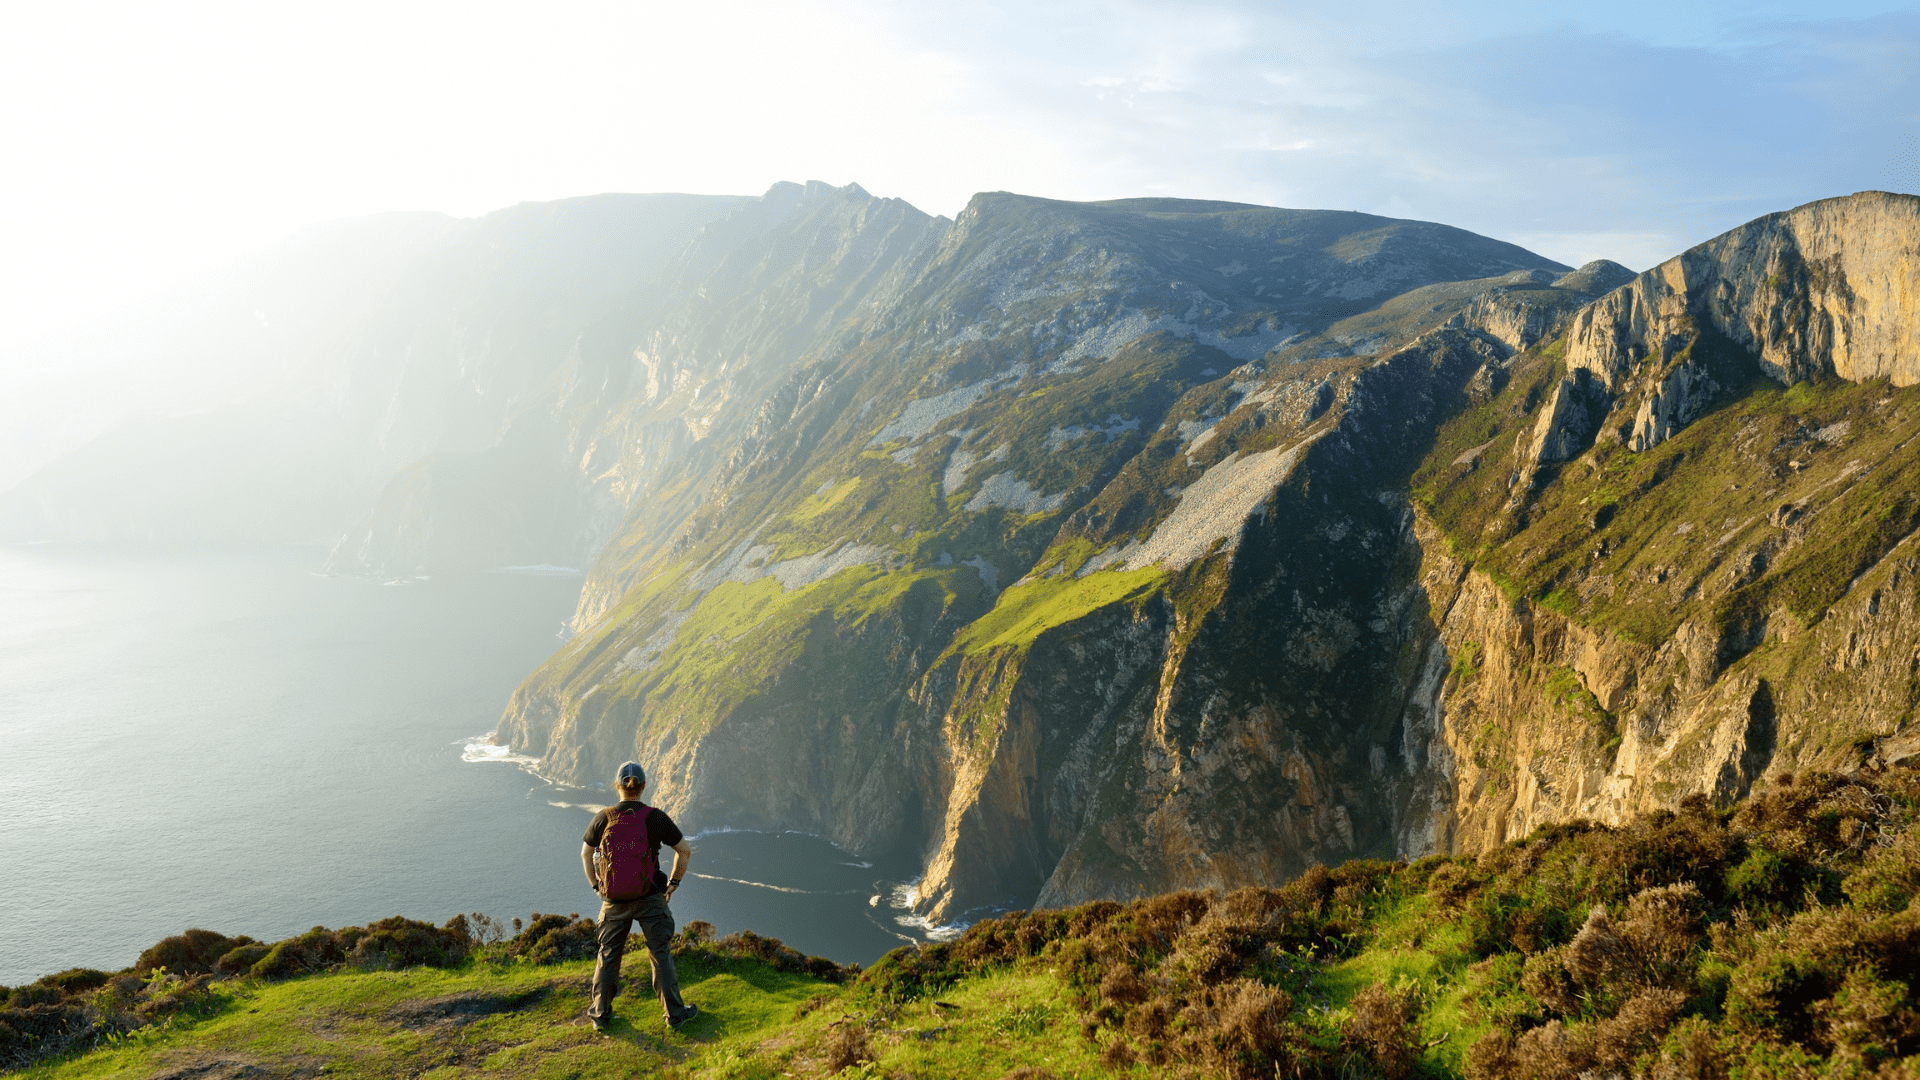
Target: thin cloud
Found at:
147, 143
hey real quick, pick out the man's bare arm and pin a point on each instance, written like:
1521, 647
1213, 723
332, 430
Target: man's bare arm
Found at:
586, 861
682, 855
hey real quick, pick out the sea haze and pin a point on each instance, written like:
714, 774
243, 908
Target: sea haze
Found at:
225, 739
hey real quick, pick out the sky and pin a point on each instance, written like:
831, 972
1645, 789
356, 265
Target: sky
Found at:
146, 144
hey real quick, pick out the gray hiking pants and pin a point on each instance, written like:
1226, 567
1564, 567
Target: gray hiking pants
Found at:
656, 925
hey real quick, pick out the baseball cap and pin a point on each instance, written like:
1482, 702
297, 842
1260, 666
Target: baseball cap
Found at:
631, 771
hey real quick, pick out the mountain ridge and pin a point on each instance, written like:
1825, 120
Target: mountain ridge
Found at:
1006, 809
1085, 551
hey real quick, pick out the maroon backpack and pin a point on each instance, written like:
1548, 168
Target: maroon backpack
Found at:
628, 863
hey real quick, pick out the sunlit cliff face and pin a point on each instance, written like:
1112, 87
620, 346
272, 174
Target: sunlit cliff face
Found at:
1069, 549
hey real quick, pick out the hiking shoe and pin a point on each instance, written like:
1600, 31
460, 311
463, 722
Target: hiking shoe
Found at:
599, 1025
692, 1011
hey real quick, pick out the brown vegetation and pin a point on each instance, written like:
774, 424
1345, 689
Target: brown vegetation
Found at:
1778, 938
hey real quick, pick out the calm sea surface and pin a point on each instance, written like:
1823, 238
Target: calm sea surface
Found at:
225, 739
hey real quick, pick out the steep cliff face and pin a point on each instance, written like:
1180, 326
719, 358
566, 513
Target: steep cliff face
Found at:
991, 574
1680, 552
638, 388
1073, 613
1827, 289
1088, 550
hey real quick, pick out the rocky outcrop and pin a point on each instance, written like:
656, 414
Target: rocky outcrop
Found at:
1520, 312
1824, 290
1568, 422
1831, 288
1545, 720
1666, 607
1674, 402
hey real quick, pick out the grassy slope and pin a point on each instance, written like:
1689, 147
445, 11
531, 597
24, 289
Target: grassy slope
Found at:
442, 1024
1638, 543
1780, 938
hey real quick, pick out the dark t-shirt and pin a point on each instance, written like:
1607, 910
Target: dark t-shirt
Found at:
660, 830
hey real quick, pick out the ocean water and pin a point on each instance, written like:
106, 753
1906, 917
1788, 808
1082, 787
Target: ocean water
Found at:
225, 739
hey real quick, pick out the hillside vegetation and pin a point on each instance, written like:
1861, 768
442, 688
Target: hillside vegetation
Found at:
1778, 938
1082, 551
1124, 549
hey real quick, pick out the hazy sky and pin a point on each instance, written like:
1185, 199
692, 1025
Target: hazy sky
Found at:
145, 139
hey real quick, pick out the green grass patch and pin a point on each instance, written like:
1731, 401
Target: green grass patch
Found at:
1754, 924
823, 501
1776, 498
1024, 612
1466, 660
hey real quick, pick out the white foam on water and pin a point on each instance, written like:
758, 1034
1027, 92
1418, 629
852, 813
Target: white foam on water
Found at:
931, 930
482, 748
907, 894
718, 830
775, 888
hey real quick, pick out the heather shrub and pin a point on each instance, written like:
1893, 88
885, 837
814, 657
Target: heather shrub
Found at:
1184, 981
1452, 883
1691, 1051
1718, 944
316, 950
401, 943
483, 930
1778, 938
1889, 878
1381, 1024
76, 1009
166, 997
692, 935
847, 1045
696, 943
1869, 1019
192, 953
1546, 978
551, 939
1597, 957
240, 960
1662, 929
1763, 881
1239, 1029
909, 973
77, 980
26, 997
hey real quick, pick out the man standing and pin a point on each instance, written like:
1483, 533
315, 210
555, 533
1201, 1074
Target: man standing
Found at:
627, 838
